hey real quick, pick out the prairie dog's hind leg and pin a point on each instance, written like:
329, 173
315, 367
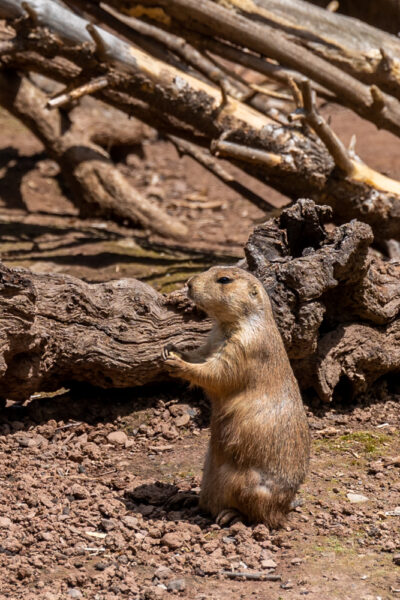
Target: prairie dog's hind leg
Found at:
228, 516
250, 495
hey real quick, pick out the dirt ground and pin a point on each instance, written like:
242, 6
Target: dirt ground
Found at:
93, 483
89, 509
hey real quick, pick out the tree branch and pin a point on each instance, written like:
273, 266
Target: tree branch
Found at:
264, 39
179, 103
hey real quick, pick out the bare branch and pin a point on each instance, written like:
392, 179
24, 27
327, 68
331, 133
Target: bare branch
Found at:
87, 88
262, 38
252, 155
324, 132
355, 170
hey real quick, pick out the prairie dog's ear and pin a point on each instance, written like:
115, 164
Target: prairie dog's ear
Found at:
253, 289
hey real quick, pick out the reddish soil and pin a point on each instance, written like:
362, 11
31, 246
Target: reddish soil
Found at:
86, 514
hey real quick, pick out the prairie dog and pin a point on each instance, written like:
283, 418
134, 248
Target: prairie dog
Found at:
259, 448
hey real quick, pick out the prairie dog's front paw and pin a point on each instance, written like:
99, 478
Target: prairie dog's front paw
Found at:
172, 360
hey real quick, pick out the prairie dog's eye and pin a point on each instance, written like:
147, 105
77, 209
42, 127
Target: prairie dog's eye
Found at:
224, 280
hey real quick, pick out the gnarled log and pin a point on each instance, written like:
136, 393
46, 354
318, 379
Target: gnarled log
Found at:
336, 305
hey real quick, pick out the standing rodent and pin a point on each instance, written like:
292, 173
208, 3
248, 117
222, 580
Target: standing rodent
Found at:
259, 449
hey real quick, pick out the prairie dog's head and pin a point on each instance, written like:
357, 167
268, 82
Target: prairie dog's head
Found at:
228, 294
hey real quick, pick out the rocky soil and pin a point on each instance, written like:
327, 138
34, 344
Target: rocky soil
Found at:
99, 500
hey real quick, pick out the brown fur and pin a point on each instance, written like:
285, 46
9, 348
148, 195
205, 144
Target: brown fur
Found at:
259, 448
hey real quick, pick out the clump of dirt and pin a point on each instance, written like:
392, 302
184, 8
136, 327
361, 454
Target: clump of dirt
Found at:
99, 500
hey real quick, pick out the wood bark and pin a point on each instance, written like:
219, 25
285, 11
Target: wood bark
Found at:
289, 158
336, 304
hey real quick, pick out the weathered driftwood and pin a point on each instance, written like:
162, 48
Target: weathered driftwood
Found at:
98, 187
336, 305
289, 158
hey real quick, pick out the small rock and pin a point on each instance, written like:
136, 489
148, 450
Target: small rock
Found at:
287, 586
118, 438
176, 585
389, 546
268, 563
396, 559
79, 492
158, 591
74, 593
130, 522
5, 522
172, 540
261, 533
296, 561
228, 539
107, 524
101, 566
92, 450
182, 420
25, 441
357, 498
163, 572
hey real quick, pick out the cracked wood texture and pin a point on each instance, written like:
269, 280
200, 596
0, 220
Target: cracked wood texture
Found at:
336, 304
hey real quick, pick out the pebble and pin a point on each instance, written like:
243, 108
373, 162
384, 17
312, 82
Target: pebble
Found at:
118, 438
172, 540
182, 420
79, 492
74, 593
287, 586
5, 522
92, 450
163, 572
396, 559
176, 585
130, 522
268, 563
357, 498
107, 524
26, 442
